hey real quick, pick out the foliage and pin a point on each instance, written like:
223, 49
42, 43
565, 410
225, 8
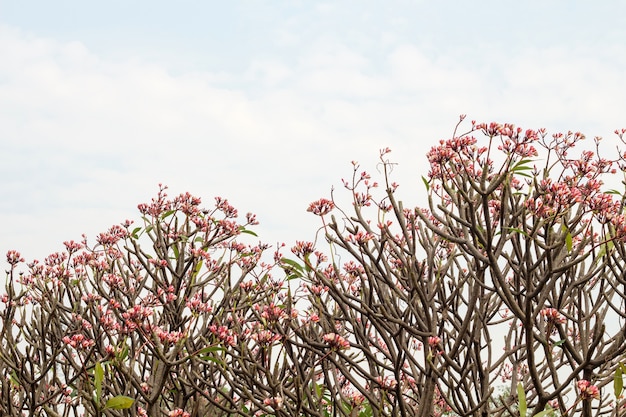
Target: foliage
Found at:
503, 297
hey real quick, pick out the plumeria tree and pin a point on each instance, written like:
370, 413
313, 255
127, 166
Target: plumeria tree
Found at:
503, 295
176, 316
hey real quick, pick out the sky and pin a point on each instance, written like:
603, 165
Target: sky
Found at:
266, 103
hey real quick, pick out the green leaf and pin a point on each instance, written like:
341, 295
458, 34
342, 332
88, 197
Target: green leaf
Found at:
98, 376
518, 168
119, 402
618, 382
123, 354
212, 359
249, 232
293, 264
292, 277
521, 397
367, 411
605, 249
135, 232
568, 238
560, 342
568, 241
209, 349
14, 381
426, 183
175, 250
523, 174
520, 231
521, 165
167, 214
544, 412
318, 390
195, 272
204, 354
307, 262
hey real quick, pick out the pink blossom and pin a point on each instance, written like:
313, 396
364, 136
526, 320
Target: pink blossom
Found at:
159, 263
158, 205
433, 341
386, 383
79, 341
552, 315
247, 285
224, 334
199, 303
168, 337
272, 313
321, 207
223, 205
251, 219
587, 390
275, 402
360, 237
384, 151
317, 289
314, 317
336, 341
108, 321
266, 337
302, 249
14, 257
179, 412
362, 199
72, 246
228, 228
115, 234
91, 298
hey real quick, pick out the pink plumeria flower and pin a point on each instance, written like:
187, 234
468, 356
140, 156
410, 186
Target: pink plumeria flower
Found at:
587, 390
335, 341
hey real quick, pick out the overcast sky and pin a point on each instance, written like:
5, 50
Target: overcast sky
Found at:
267, 102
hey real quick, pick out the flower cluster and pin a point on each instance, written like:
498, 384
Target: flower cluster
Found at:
78, 341
275, 402
14, 257
552, 316
336, 341
587, 391
321, 207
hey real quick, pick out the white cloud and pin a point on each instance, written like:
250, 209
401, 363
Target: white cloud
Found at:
269, 73
86, 138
